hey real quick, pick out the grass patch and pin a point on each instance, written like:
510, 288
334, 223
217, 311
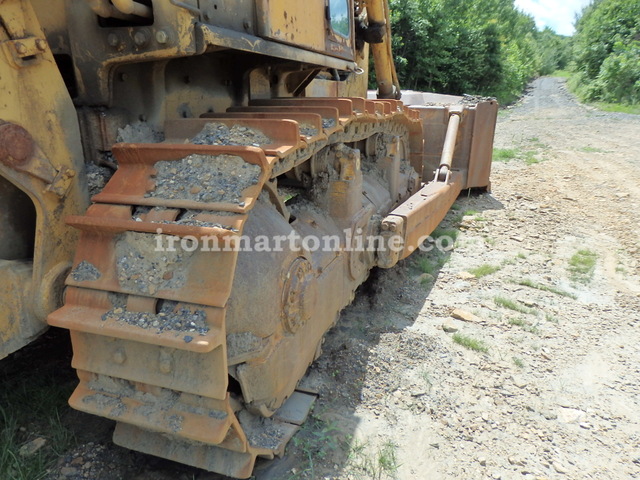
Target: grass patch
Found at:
538, 286
519, 322
470, 343
504, 154
431, 260
535, 142
426, 378
387, 459
513, 305
518, 362
551, 318
591, 150
484, 270
452, 233
507, 154
374, 466
469, 213
28, 411
490, 241
561, 74
582, 265
316, 440
431, 265
530, 158
36, 384
616, 107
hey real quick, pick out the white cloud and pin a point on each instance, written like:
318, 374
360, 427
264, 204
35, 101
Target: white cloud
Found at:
558, 15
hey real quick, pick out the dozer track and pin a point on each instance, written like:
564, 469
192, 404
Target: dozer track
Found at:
195, 352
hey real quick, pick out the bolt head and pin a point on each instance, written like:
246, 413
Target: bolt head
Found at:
140, 38
165, 366
41, 44
21, 48
119, 357
162, 36
113, 40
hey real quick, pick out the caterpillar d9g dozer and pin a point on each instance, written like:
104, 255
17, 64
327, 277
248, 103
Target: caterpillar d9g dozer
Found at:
194, 124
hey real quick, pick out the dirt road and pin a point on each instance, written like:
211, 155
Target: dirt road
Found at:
539, 377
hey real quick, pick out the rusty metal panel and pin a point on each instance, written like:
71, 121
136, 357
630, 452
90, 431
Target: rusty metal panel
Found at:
482, 144
305, 25
293, 22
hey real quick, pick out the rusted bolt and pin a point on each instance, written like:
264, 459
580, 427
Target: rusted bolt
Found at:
41, 44
21, 48
389, 226
16, 145
162, 36
165, 362
119, 356
113, 39
165, 366
140, 38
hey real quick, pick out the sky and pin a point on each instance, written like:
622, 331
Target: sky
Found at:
556, 14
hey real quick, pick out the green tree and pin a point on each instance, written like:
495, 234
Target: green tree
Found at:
607, 51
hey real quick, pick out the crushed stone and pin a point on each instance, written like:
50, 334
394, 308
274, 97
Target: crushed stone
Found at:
186, 218
215, 133
328, 122
307, 129
142, 269
85, 271
475, 99
205, 178
139, 132
168, 319
97, 178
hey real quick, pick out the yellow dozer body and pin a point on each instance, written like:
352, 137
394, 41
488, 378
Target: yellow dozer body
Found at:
196, 188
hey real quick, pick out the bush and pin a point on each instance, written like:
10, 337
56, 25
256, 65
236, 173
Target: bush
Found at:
607, 52
619, 77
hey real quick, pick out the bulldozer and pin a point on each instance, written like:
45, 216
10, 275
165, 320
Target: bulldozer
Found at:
151, 154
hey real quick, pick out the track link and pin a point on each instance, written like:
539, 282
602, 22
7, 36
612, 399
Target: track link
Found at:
156, 333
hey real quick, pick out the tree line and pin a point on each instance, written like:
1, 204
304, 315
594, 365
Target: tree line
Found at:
489, 47
482, 47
